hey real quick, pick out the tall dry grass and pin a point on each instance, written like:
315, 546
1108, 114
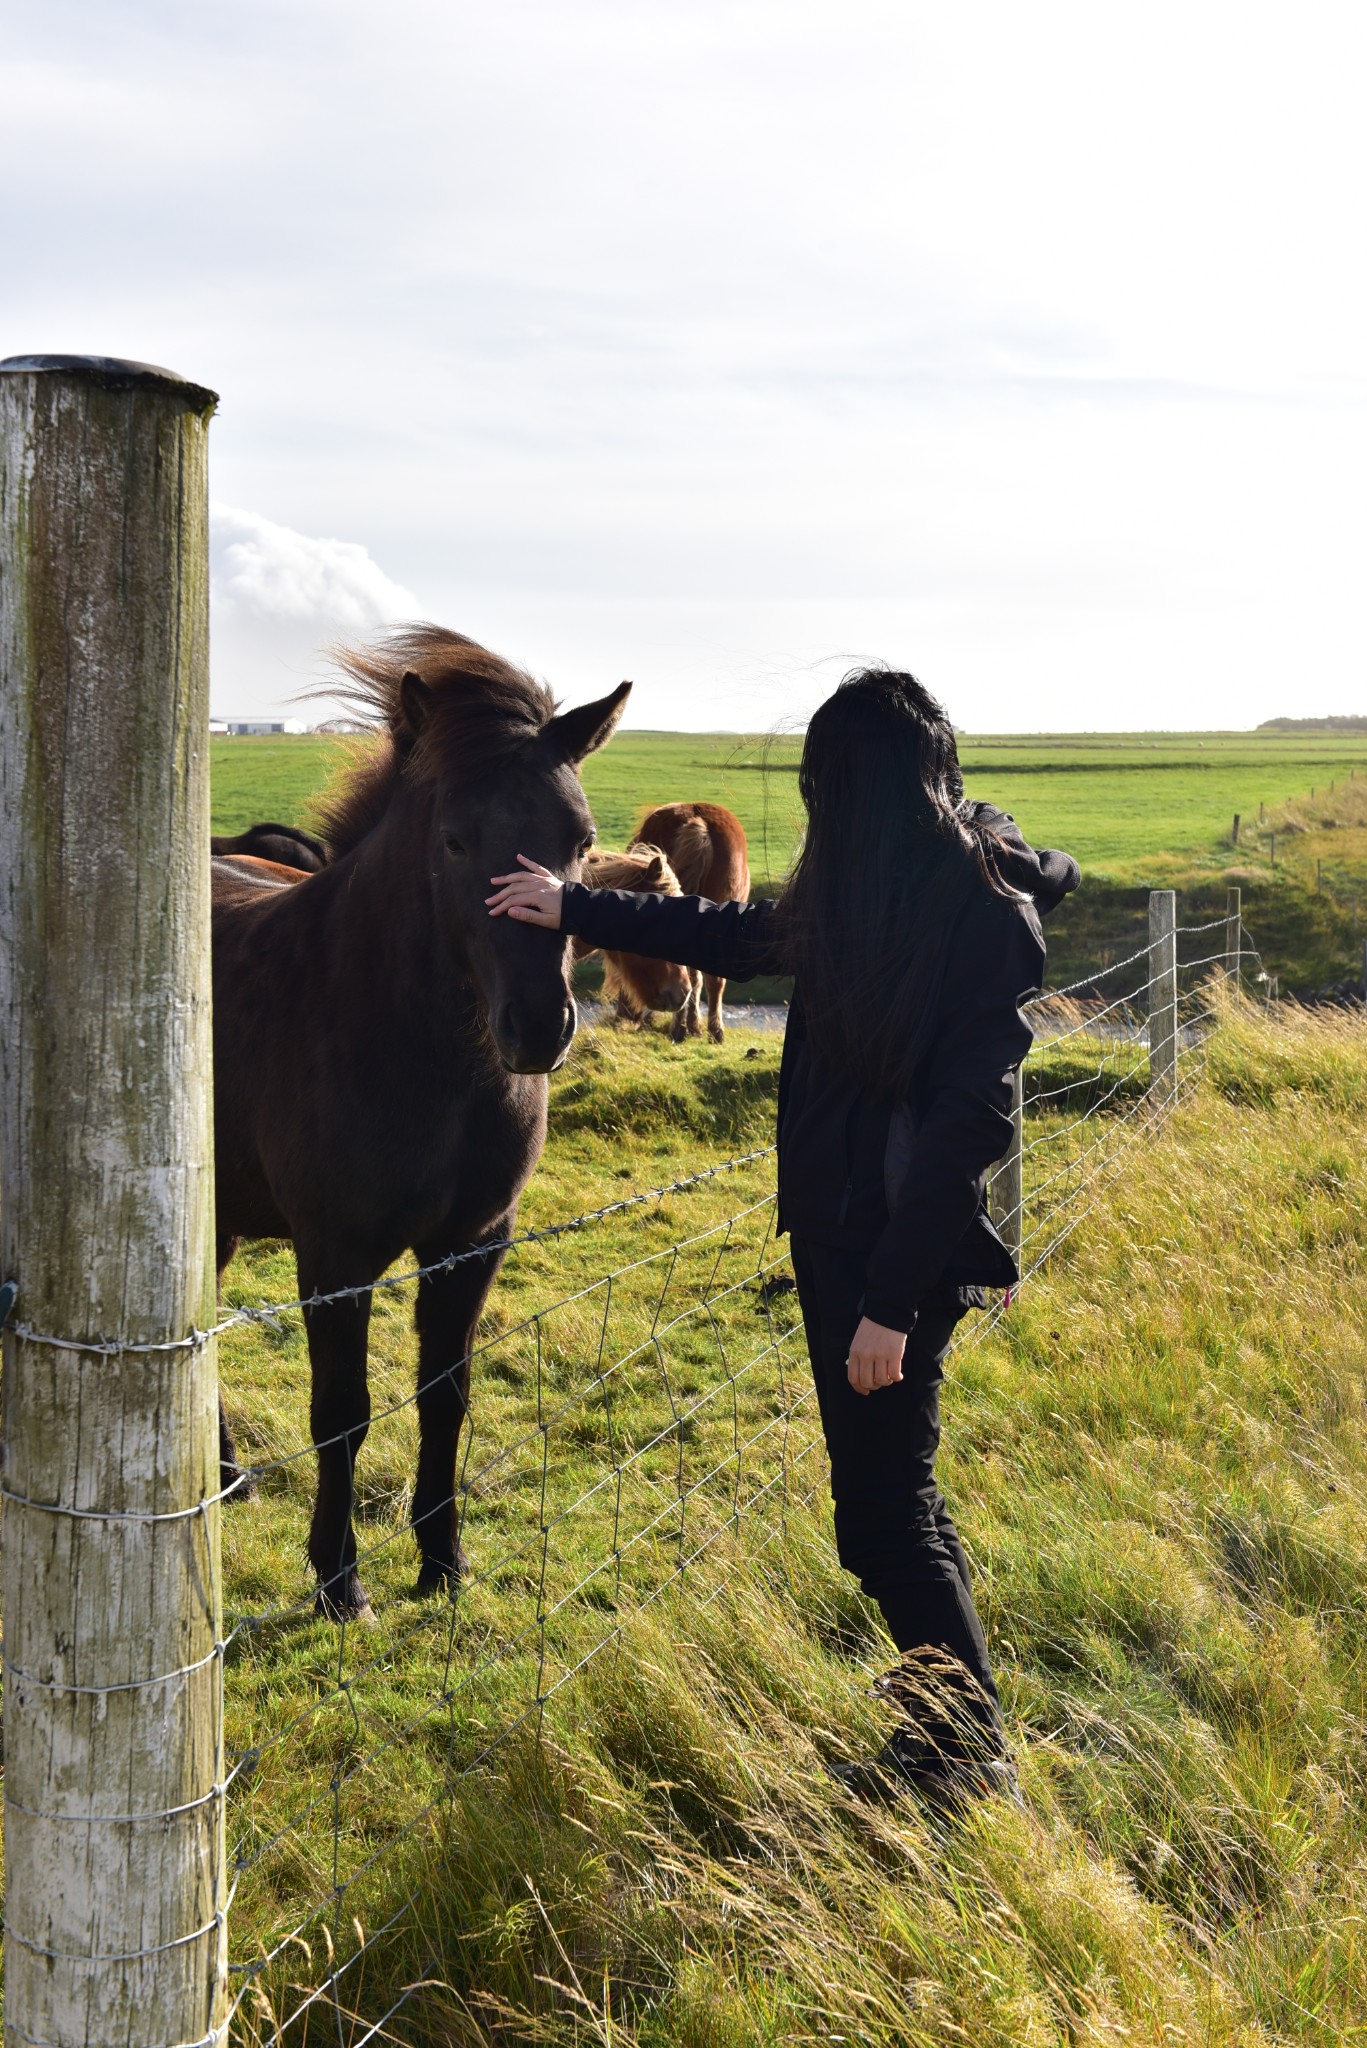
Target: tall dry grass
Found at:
1159, 1463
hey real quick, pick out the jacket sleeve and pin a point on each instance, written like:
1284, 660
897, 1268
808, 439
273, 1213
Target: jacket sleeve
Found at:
965, 1103
1046, 877
1059, 876
736, 940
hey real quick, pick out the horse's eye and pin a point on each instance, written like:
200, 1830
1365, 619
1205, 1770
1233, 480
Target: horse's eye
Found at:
588, 845
453, 845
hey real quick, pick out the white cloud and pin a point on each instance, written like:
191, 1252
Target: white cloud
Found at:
269, 571
278, 598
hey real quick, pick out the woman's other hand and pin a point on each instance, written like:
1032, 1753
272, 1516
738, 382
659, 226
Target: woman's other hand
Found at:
534, 896
875, 1358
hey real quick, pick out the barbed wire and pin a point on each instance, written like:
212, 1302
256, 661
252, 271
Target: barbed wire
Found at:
268, 1312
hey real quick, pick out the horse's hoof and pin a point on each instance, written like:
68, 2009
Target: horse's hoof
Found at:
716, 1034
345, 1600
443, 1575
236, 1483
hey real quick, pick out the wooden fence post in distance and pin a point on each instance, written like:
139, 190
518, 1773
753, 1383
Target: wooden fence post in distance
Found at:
1162, 996
114, 1851
1234, 936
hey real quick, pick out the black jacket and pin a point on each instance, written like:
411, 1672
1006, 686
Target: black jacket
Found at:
904, 1187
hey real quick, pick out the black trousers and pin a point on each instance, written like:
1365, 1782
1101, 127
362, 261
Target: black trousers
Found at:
892, 1527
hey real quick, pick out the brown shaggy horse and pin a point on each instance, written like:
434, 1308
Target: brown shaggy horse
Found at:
381, 1045
705, 846
635, 985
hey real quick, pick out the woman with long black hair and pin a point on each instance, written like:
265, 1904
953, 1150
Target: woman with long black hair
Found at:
910, 924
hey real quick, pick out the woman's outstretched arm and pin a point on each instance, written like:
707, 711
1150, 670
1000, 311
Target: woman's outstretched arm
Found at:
736, 940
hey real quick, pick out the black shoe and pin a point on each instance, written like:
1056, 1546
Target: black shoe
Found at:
945, 1784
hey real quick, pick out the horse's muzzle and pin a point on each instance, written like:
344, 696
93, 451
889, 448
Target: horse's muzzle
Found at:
535, 1045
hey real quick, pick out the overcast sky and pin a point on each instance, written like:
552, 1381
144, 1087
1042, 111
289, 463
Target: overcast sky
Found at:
722, 343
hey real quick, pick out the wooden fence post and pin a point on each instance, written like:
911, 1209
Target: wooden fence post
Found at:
1008, 1179
1234, 936
1162, 996
114, 1829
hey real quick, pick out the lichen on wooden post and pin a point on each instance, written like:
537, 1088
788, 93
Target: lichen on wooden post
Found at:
114, 1826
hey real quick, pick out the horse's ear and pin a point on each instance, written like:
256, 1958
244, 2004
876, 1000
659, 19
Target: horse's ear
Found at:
589, 726
415, 701
656, 870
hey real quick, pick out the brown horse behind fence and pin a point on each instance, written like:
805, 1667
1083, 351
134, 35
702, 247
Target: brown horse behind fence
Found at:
381, 1044
637, 986
705, 846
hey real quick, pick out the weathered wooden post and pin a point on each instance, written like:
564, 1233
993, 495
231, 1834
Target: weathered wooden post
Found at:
1008, 1179
1234, 835
1234, 936
114, 1854
1162, 996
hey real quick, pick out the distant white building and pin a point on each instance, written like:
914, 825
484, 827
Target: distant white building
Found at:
242, 727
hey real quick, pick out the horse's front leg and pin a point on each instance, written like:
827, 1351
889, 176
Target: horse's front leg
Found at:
691, 1008
448, 1312
716, 1030
339, 1417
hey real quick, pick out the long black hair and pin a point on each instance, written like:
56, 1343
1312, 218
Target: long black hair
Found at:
891, 859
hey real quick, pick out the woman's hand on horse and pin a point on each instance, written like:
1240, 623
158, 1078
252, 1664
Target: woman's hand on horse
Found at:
875, 1358
533, 897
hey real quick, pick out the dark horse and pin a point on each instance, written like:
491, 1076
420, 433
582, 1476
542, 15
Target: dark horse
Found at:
283, 843
381, 1044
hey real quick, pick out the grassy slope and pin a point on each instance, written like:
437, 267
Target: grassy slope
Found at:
1158, 1464
1140, 811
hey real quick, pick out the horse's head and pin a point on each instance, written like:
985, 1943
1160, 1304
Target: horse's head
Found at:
533, 805
483, 767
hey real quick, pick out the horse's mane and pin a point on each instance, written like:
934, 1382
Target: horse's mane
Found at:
691, 853
641, 867
482, 710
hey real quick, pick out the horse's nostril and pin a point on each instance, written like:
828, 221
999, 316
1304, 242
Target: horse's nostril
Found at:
534, 1041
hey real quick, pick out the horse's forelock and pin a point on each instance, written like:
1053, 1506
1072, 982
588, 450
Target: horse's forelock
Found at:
481, 712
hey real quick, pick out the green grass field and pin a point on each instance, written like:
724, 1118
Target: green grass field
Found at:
1125, 805
1139, 811
1158, 1462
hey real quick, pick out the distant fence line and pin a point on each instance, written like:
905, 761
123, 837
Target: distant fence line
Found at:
624, 1428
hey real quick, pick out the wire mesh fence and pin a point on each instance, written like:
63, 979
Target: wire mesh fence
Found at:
620, 1435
